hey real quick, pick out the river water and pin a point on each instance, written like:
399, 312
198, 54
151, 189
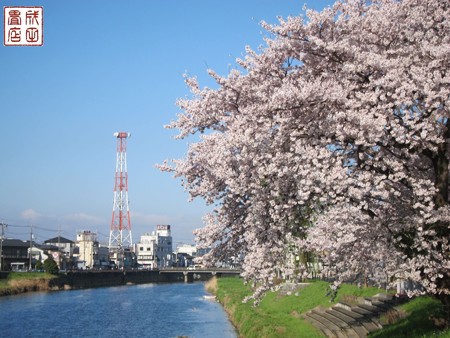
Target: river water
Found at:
146, 310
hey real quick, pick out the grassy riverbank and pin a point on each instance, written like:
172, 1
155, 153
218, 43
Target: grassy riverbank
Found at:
421, 318
279, 314
19, 282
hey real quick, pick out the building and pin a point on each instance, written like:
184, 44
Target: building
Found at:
41, 252
146, 251
155, 250
15, 254
185, 254
66, 247
102, 258
87, 249
187, 249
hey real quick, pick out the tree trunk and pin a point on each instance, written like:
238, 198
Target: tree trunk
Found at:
445, 298
440, 164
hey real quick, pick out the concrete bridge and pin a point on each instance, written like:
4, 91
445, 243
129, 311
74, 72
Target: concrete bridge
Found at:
190, 273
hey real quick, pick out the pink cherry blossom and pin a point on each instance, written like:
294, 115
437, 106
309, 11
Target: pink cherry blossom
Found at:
331, 140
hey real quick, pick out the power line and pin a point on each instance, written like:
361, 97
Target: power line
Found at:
38, 231
18, 226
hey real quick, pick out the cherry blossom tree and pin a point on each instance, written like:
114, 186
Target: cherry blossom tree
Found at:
331, 139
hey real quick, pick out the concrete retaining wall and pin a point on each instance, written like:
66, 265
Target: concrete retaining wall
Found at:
92, 279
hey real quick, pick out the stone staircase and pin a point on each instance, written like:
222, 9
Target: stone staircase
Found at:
351, 321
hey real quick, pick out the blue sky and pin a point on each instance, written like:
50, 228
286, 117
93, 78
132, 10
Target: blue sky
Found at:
110, 66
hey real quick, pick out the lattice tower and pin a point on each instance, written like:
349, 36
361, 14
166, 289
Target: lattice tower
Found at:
120, 231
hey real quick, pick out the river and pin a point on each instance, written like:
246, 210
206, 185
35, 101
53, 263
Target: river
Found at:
146, 310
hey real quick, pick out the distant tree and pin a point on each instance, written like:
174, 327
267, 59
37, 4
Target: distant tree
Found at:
50, 266
333, 139
39, 265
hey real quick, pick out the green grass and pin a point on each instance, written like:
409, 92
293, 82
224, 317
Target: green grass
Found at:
279, 316
417, 323
30, 275
13, 277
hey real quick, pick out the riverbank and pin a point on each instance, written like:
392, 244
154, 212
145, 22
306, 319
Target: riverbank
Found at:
19, 282
280, 313
16, 283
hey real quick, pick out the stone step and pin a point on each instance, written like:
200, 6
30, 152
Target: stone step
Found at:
369, 320
347, 312
344, 306
360, 310
343, 316
351, 333
383, 304
362, 318
336, 330
319, 326
384, 297
357, 327
336, 321
351, 321
354, 328
372, 309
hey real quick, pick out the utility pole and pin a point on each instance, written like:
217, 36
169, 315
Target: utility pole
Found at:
31, 244
3, 225
59, 248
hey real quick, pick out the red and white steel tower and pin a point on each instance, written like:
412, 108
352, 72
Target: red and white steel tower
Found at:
120, 231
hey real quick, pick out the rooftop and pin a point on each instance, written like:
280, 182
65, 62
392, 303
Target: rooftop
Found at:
59, 239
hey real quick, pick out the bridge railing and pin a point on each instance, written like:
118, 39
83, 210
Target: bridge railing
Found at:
200, 270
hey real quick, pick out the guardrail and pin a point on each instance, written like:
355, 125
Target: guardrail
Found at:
205, 270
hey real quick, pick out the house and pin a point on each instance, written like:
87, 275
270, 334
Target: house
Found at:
65, 251
39, 254
15, 254
155, 250
65, 245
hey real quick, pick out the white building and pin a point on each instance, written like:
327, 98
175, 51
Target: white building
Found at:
187, 249
185, 254
65, 245
155, 250
88, 248
38, 254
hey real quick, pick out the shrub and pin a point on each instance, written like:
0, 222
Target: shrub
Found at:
50, 266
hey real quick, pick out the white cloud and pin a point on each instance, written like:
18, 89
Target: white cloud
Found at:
182, 225
82, 217
150, 220
30, 214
